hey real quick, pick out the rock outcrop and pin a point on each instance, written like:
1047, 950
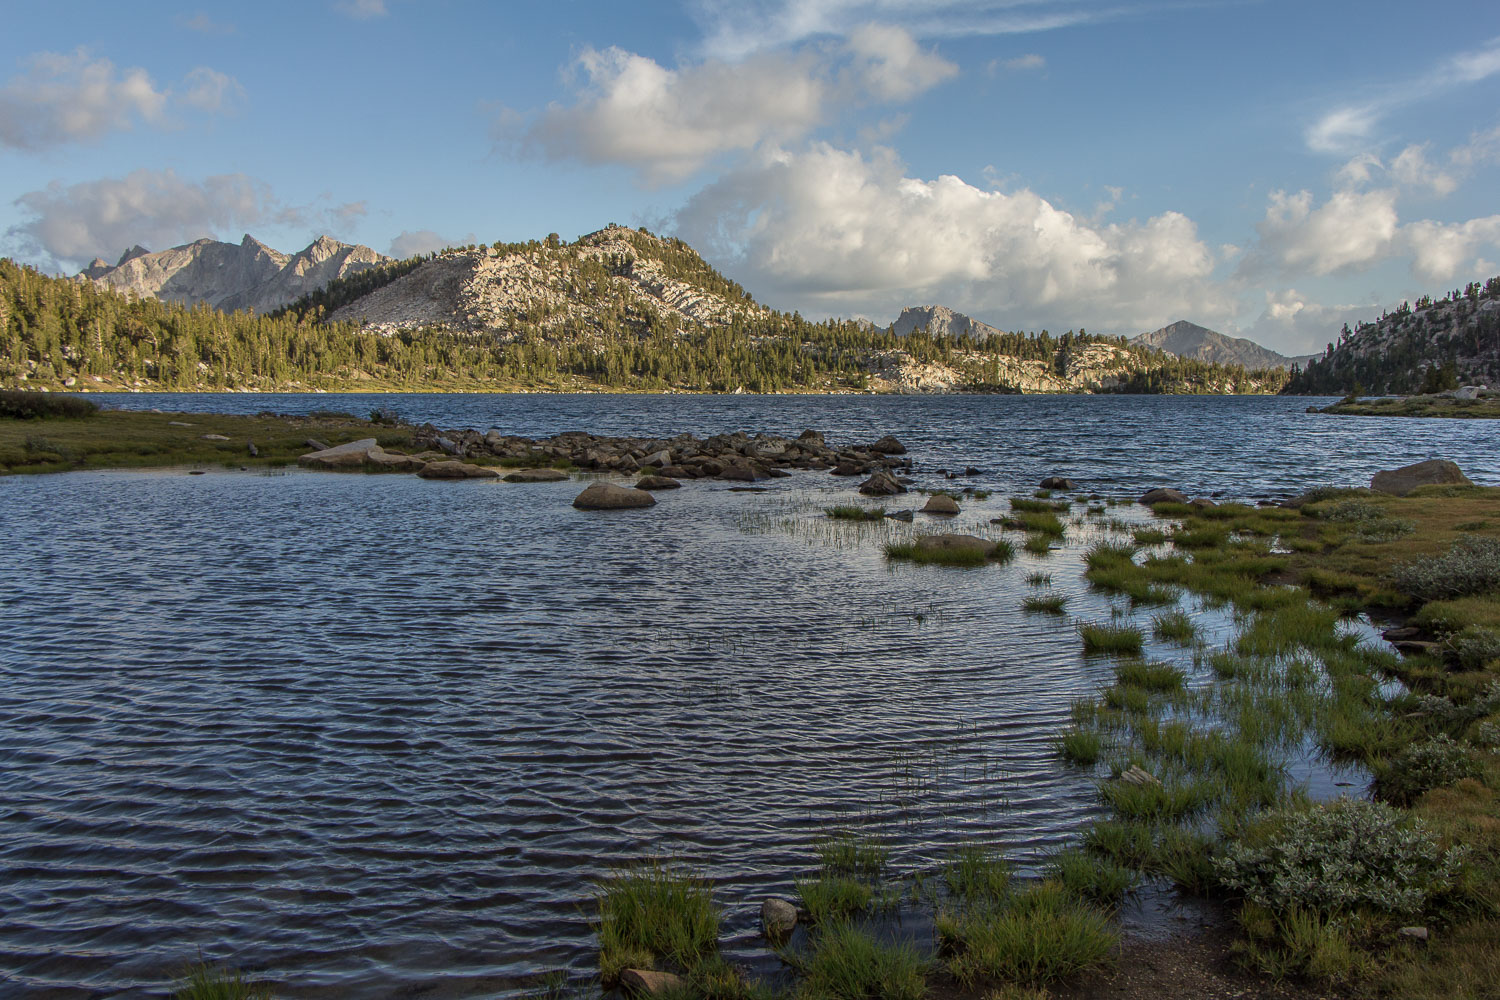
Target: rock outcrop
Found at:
1433, 472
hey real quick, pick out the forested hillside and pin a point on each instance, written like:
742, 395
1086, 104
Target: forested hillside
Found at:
618, 310
1429, 347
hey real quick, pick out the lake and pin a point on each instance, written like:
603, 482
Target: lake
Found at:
376, 736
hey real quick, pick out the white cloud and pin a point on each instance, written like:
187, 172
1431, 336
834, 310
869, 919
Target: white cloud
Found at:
835, 230
735, 28
1410, 167
158, 209
1352, 126
1022, 64
67, 97
890, 66
1352, 229
206, 25
669, 123
209, 90
362, 10
1447, 251
414, 241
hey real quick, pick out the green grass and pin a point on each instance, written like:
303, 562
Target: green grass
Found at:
1079, 746
1041, 524
1109, 555
1148, 536
1045, 934
1049, 604
1003, 552
23, 405
834, 897
1023, 505
205, 982
977, 875
850, 854
654, 913
1175, 626
1151, 676
849, 512
1038, 579
1172, 800
1111, 639
1038, 544
849, 964
1090, 877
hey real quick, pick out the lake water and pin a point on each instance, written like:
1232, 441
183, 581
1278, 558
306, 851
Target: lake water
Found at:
375, 736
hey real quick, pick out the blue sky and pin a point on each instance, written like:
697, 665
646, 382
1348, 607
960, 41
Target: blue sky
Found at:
1269, 169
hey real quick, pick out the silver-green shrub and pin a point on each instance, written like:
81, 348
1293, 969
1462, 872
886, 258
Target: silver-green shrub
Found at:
1475, 646
1436, 762
1337, 857
1471, 566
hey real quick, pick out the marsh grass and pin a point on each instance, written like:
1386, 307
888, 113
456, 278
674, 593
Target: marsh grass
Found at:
1038, 544
1045, 523
850, 512
977, 875
654, 912
1003, 553
1151, 676
1038, 579
1079, 746
848, 963
847, 853
1111, 639
202, 981
1022, 505
1174, 626
1042, 935
831, 897
1048, 604
1096, 879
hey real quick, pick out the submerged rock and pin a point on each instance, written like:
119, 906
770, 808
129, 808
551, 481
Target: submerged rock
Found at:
1433, 472
955, 543
657, 483
1058, 483
456, 470
608, 496
537, 476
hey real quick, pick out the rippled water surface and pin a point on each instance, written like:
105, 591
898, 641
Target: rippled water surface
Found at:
376, 736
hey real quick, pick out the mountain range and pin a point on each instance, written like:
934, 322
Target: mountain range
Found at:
247, 276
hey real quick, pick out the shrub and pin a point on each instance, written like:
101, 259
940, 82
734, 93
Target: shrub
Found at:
1336, 857
21, 405
1476, 646
1471, 566
1435, 762
1353, 510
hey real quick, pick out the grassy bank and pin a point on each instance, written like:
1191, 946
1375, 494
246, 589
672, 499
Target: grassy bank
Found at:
122, 439
1418, 406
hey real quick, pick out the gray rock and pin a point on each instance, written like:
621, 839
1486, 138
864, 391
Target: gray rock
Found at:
658, 458
1058, 483
777, 917
657, 483
254, 451
902, 515
1159, 495
888, 445
456, 470
649, 982
881, 484
940, 503
345, 456
1415, 933
1136, 775
608, 496
536, 476
1433, 472
214, 437
317, 445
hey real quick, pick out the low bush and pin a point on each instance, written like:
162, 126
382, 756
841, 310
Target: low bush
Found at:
1471, 566
22, 405
1336, 857
1435, 762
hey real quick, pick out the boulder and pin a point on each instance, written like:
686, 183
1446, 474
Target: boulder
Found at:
649, 982
739, 472
456, 470
536, 476
1433, 472
390, 461
354, 455
1415, 933
608, 496
657, 483
902, 515
888, 445
1159, 495
777, 917
881, 484
1058, 483
658, 458
1203, 503
317, 445
214, 437
940, 503
676, 472
811, 439
955, 543
1137, 775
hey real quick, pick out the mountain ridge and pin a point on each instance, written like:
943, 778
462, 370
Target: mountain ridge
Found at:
248, 275
1189, 340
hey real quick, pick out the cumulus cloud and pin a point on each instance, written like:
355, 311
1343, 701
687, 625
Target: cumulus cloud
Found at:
1353, 229
1026, 63
414, 241
835, 230
73, 223
1411, 167
1448, 251
67, 97
1293, 324
669, 123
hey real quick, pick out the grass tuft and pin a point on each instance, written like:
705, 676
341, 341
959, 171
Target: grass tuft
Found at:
1111, 639
654, 913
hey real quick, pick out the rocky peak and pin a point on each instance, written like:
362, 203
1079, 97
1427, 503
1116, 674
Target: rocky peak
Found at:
131, 254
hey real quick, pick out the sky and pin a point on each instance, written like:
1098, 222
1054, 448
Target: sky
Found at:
1267, 169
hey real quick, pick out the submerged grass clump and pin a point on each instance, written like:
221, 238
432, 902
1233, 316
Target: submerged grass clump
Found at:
965, 557
1079, 746
1111, 639
1175, 626
850, 512
1048, 604
833, 897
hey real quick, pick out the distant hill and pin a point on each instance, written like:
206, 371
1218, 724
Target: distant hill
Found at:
1434, 344
1189, 340
230, 276
940, 321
